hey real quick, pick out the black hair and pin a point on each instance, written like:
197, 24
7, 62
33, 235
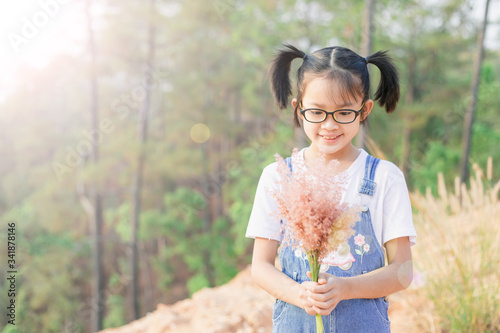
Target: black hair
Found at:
347, 68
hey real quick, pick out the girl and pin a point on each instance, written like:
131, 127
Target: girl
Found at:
333, 89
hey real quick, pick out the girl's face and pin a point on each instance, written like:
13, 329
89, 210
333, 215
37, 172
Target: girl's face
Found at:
329, 137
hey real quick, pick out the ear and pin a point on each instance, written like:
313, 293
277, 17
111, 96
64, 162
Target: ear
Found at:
367, 109
294, 104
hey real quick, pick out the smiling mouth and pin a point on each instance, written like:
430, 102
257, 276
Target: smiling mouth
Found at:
330, 137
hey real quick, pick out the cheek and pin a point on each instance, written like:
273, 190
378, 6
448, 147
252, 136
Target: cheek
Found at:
310, 129
354, 128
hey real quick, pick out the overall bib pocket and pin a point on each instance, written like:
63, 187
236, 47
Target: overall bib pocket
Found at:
381, 306
279, 309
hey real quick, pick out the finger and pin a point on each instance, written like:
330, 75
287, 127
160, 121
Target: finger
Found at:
326, 283
321, 299
322, 277
323, 312
327, 305
321, 288
311, 311
308, 285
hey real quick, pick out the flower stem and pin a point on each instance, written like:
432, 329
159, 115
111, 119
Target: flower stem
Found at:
315, 266
319, 324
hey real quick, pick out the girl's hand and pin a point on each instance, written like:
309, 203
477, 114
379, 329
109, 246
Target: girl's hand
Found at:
324, 295
306, 302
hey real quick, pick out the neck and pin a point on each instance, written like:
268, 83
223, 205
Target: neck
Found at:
345, 157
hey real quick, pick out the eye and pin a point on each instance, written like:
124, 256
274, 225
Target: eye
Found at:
345, 113
316, 112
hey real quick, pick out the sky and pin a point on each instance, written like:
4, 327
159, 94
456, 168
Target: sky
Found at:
33, 31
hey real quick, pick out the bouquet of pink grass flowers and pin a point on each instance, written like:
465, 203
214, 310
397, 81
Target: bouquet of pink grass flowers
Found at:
310, 202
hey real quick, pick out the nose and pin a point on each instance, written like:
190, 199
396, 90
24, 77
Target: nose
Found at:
329, 123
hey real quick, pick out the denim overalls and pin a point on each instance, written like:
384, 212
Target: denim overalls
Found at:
362, 253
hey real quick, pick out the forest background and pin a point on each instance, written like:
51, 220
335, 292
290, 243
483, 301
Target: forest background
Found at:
133, 135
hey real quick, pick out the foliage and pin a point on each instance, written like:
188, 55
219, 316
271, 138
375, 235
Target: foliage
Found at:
438, 158
40, 277
458, 258
192, 241
243, 177
116, 314
210, 68
10, 329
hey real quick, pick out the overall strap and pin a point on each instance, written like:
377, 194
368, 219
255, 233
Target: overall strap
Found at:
368, 184
288, 162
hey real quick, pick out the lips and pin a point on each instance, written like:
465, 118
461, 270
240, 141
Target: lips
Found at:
330, 137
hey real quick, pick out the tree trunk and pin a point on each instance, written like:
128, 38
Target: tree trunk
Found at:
469, 115
366, 50
149, 288
138, 175
94, 208
405, 165
407, 124
238, 119
208, 215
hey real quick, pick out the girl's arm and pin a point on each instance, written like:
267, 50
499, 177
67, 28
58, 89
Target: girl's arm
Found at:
396, 276
272, 280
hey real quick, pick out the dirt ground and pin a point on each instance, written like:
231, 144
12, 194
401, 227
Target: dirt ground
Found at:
240, 306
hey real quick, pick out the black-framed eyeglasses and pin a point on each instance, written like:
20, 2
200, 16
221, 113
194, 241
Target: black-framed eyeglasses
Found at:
341, 116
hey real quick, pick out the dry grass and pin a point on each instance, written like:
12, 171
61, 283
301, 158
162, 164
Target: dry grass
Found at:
458, 254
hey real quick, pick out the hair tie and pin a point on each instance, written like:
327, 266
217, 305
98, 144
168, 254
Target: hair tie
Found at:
366, 60
305, 56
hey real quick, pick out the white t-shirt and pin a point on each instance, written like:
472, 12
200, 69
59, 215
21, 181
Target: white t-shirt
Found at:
390, 206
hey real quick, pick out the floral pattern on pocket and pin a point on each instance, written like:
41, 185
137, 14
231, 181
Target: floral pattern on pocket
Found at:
359, 240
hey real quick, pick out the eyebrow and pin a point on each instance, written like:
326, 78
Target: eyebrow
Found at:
321, 106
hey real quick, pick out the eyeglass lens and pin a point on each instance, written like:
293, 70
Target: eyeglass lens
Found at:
341, 116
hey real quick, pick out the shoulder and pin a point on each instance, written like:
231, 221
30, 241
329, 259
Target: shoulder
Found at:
270, 176
392, 204
388, 172
270, 171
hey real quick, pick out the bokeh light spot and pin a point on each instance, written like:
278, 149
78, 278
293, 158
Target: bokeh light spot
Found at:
200, 133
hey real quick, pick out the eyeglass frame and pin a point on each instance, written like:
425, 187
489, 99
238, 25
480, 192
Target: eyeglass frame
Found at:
357, 113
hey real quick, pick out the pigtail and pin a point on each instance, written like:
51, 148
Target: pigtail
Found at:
279, 72
387, 93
